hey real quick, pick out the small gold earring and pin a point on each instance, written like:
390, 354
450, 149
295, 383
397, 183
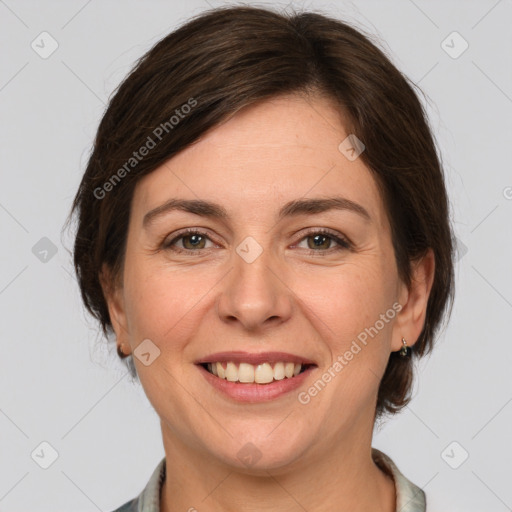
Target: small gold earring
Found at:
405, 350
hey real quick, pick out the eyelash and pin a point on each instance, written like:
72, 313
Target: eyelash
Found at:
343, 244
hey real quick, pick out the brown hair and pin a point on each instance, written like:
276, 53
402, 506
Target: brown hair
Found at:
228, 58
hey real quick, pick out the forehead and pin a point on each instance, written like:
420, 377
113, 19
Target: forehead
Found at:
265, 155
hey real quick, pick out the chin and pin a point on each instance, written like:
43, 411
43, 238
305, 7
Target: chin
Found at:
261, 453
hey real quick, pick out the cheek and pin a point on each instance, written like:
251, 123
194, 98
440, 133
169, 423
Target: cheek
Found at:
161, 302
348, 299
347, 312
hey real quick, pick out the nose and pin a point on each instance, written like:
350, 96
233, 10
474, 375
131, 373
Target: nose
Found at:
255, 295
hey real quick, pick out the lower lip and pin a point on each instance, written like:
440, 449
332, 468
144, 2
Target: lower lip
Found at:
243, 392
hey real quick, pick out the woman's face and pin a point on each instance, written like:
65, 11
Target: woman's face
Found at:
262, 279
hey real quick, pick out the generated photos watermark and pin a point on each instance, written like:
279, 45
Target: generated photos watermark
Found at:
343, 360
152, 140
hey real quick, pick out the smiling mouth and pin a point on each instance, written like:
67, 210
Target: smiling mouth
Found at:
265, 373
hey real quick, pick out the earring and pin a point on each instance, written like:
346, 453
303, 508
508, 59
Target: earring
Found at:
405, 350
120, 352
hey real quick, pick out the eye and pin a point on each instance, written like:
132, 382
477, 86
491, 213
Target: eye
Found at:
322, 239
192, 240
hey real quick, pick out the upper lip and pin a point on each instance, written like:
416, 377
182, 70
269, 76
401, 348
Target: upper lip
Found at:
259, 358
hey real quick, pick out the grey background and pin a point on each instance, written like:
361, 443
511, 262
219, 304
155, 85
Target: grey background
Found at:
61, 383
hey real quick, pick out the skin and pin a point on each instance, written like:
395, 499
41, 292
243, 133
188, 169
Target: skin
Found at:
314, 457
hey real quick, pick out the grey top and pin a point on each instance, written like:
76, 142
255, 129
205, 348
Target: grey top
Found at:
409, 497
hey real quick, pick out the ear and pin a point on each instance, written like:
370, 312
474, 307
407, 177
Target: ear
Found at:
414, 299
113, 293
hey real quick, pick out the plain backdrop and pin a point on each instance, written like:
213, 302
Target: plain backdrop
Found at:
62, 385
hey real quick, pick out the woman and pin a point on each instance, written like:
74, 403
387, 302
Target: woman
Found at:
264, 226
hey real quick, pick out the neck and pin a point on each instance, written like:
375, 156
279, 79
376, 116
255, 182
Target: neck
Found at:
344, 478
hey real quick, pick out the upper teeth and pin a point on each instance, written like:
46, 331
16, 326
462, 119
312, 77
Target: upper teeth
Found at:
261, 373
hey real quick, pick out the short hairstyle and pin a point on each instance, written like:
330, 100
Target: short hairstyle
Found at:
228, 58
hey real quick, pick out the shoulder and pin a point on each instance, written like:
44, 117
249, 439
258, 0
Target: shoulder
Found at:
409, 497
149, 498
129, 506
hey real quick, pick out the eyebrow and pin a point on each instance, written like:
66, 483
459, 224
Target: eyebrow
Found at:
290, 209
